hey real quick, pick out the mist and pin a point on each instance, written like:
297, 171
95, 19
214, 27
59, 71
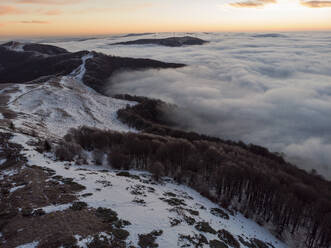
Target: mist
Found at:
272, 90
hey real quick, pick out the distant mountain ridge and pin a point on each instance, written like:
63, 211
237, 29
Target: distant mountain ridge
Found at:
170, 42
37, 60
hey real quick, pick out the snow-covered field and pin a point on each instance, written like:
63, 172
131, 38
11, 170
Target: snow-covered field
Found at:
59, 104
112, 191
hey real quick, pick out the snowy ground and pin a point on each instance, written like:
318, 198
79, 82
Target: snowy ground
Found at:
62, 103
116, 192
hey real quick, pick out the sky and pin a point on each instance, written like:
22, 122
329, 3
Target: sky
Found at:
97, 17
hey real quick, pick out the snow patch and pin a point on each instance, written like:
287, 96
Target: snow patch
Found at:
55, 106
82, 242
9, 172
80, 71
29, 245
16, 46
16, 188
55, 208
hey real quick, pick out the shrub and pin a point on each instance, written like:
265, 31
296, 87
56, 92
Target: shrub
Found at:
120, 233
122, 223
67, 151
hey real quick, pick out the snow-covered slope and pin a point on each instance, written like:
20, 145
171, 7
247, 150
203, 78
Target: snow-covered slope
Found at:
144, 203
15, 46
55, 106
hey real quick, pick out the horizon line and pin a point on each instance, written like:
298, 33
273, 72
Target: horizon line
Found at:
158, 32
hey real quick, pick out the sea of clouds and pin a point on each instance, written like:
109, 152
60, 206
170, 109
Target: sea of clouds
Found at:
272, 90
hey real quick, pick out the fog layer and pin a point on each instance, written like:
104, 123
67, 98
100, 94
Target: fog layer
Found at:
268, 89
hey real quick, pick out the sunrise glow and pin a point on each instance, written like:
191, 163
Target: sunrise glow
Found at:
87, 17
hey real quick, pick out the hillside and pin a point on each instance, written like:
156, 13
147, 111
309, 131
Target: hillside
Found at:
34, 61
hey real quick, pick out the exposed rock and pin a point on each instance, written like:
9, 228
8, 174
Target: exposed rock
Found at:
38, 212
217, 244
220, 213
228, 238
205, 227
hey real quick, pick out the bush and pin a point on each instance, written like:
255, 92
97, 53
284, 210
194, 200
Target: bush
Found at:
67, 151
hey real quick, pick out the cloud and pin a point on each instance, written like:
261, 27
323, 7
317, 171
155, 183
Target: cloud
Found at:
52, 12
121, 8
316, 4
10, 10
54, 2
34, 22
252, 4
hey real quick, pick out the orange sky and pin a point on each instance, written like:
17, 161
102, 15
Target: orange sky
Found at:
88, 17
